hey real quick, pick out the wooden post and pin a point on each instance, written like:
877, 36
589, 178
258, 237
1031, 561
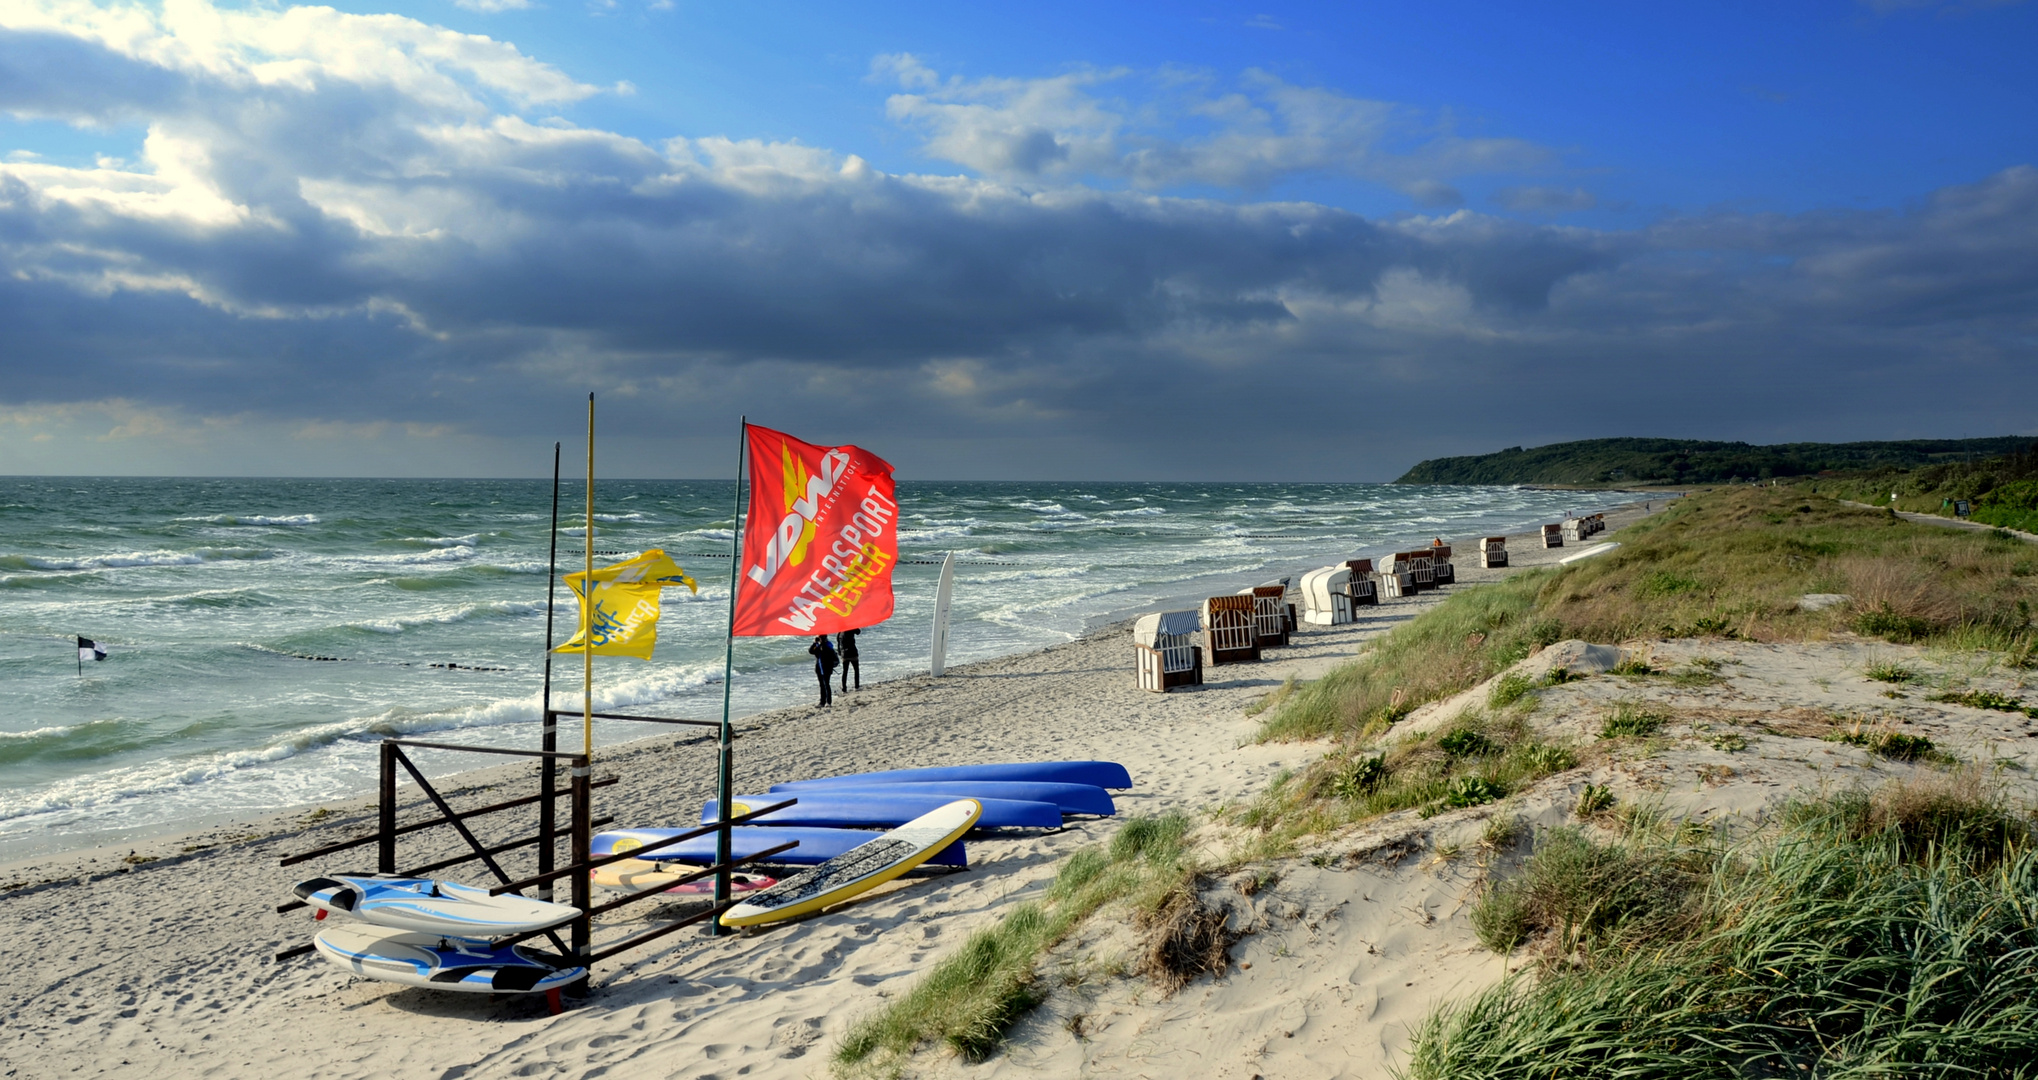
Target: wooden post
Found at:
385, 857
583, 813
548, 820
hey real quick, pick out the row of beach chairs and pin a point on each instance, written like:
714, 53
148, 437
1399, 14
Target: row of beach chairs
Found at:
1575, 530
1236, 628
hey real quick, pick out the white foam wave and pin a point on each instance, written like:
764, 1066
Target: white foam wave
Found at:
1138, 511
469, 540
621, 517
159, 557
447, 616
254, 519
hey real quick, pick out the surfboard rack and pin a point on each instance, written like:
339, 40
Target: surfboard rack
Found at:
581, 864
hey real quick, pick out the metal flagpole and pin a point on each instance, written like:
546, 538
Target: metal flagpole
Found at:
587, 606
724, 787
547, 768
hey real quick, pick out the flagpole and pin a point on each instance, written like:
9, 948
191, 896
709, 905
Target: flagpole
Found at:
547, 768
724, 787
587, 607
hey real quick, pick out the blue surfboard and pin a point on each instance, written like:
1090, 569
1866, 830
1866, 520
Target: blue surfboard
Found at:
850, 809
816, 845
1071, 798
1104, 774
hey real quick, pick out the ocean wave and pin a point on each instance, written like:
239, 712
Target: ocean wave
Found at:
409, 558
493, 609
621, 517
469, 540
159, 557
1138, 511
245, 520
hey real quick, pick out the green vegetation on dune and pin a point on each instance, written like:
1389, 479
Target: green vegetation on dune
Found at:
1733, 562
974, 994
1876, 935
1633, 461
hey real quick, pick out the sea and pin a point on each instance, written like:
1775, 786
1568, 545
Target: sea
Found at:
262, 635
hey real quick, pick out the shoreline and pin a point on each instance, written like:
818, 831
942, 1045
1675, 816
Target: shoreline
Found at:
187, 933
118, 843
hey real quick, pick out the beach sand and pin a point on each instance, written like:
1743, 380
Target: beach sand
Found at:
161, 961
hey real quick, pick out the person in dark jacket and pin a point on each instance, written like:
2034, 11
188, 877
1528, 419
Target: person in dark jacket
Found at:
845, 643
824, 664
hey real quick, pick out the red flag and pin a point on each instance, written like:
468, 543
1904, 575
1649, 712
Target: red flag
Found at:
821, 539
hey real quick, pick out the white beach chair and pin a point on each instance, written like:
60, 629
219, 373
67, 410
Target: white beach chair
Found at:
1326, 596
1164, 648
1553, 536
1493, 552
1575, 530
1228, 633
1397, 576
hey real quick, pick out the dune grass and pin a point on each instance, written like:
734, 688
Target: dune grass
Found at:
973, 995
1885, 934
1479, 758
1729, 563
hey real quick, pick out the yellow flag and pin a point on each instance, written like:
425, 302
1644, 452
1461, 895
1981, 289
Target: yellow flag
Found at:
624, 618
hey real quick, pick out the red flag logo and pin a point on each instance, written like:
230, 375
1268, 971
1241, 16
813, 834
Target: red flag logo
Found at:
821, 539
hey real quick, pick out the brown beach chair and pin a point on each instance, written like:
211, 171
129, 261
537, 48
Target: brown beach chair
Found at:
1362, 588
1553, 536
1493, 552
1228, 633
1271, 618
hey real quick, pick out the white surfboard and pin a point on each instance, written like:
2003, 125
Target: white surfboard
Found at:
860, 869
439, 963
938, 662
428, 906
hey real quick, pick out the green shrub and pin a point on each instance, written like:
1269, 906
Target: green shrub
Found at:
1510, 688
1466, 742
1630, 717
1473, 791
1886, 671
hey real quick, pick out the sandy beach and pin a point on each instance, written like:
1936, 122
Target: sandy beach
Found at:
161, 961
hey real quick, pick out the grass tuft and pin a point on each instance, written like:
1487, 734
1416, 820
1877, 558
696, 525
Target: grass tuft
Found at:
1630, 717
1889, 672
1887, 934
972, 996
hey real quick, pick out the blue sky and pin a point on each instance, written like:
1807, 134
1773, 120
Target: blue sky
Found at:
1023, 242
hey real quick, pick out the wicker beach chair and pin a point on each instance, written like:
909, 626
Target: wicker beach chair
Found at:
1164, 649
1228, 634
1397, 576
1441, 569
1493, 552
1553, 536
1271, 616
1326, 596
1361, 586
1576, 530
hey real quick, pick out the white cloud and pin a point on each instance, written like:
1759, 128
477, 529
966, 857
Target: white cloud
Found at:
1062, 128
490, 7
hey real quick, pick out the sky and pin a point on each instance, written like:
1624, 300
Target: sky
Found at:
1199, 241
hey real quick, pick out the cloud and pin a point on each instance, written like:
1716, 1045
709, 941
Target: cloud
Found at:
362, 244
1247, 138
490, 7
1545, 200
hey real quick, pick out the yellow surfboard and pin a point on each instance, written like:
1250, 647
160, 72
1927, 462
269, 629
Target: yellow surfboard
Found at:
860, 869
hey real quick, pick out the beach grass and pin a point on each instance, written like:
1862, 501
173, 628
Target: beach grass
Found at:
1728, 563
1870, 934
1481, 757
973, 996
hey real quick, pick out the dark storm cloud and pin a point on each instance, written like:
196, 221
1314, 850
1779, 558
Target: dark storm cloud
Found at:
324, 240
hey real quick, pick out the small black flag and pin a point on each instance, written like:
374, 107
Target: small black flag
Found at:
89, 650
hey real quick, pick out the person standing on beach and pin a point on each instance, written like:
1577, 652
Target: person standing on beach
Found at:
845, 643
824, 665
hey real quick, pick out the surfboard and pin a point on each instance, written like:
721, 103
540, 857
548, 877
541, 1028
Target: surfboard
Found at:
860, 869
1071, 798
875, 806
428, 906
937, 661
436, 962
643, 875
817, 845
1104, 774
